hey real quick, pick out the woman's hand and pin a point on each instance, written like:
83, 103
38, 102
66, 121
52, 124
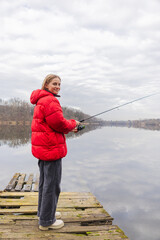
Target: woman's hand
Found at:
77, 123
75, 129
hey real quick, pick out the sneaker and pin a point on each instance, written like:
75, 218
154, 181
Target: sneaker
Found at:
58, 224
57, 215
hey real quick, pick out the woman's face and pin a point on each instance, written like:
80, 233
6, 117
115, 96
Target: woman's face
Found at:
54, 86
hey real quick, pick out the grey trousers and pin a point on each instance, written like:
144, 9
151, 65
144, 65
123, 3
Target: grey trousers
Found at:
49, 190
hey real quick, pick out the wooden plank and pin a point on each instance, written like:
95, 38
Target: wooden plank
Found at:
20, 182
65, 211
16, 194
62, 203
30, 195
70, 216
68, 227
29, 183
74, 232
33, 210
12, 182
62, 194
36, 184
61, 236
21, 210
83, 221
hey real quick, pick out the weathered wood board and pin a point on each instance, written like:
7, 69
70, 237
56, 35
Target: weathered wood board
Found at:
20, 182
83, 215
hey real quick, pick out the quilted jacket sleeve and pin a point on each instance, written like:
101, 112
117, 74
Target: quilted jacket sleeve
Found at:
55, 120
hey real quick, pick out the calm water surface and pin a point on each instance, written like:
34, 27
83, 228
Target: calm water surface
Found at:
120, 166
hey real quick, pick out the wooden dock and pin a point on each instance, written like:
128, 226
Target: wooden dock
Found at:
84, 217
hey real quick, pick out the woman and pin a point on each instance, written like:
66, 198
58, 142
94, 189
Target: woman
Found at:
49, 146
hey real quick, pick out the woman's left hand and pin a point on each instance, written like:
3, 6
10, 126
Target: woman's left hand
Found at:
75, 130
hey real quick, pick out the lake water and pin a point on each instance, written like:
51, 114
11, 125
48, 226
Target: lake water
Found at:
120, 166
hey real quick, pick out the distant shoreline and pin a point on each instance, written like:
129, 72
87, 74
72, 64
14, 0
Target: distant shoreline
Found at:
153, 124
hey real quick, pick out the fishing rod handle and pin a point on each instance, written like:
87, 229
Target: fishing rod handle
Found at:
80, 127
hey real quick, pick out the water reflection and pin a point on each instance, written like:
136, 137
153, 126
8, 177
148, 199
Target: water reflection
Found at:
119, 165
17, 135
14, 136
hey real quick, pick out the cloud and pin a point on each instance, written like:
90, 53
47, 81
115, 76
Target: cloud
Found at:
103, 51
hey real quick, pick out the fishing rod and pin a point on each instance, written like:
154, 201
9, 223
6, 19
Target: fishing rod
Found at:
80, 127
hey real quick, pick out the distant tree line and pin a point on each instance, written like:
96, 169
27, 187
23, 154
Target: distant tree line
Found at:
16, 109
14, 113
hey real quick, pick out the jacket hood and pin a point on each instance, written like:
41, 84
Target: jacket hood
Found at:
37, 94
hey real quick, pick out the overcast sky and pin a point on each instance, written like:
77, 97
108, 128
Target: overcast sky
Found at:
107, 52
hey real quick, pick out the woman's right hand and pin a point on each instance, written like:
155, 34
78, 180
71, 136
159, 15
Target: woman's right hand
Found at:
75, 129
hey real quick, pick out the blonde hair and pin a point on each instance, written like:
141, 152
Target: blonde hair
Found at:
48, 79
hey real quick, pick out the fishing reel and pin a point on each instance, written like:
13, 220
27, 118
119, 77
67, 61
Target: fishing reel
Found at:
80, 127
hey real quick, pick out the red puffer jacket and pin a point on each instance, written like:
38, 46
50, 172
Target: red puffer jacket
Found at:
48, 127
